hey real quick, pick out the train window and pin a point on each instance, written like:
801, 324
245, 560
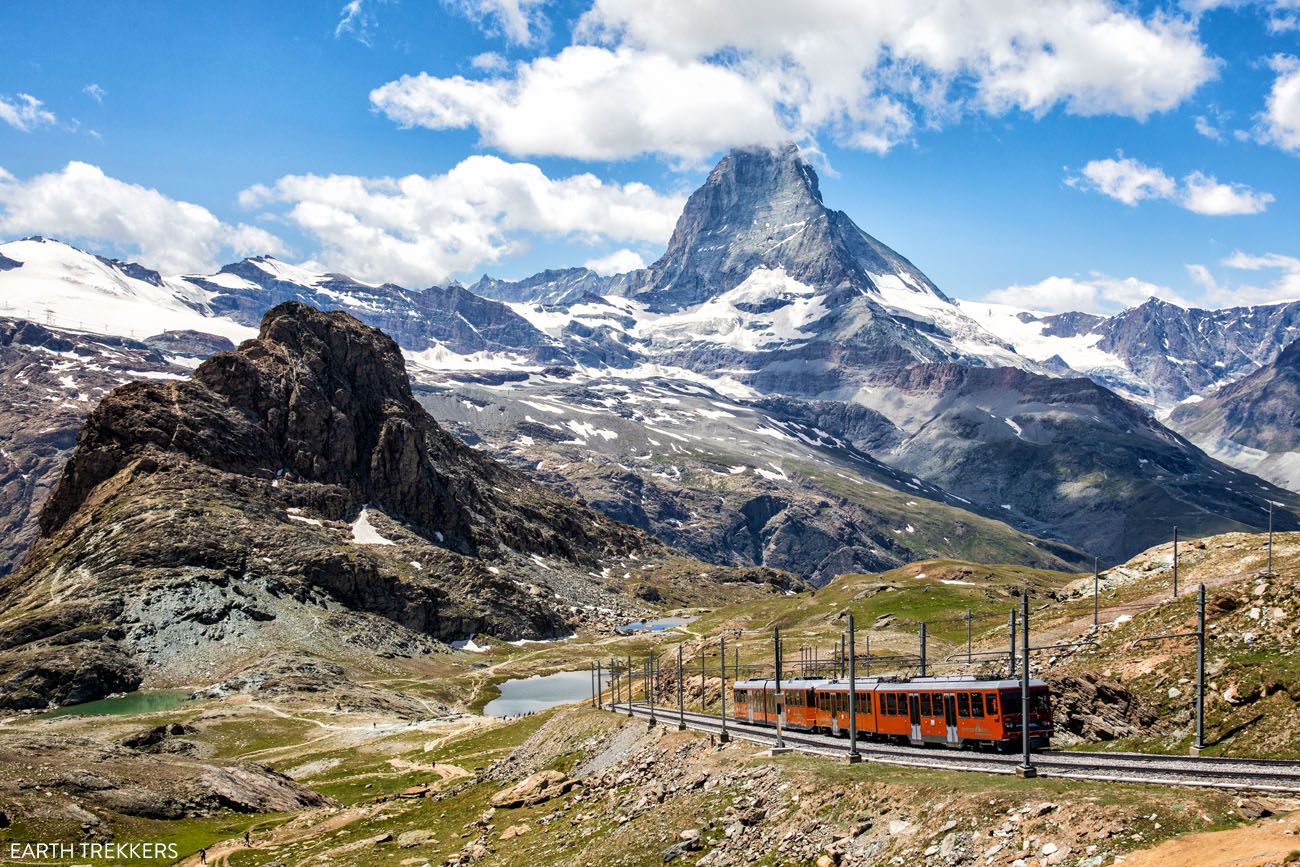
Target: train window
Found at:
977, 705
991, 702
963, 704
890, 704
925, 704
864, 702
1038, 702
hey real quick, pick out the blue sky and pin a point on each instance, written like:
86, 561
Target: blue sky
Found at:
1148, 148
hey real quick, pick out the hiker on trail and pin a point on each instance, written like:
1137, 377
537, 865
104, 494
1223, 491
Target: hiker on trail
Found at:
248, 840
203, 856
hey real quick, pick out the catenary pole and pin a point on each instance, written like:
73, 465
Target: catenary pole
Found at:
776, 653
722, 690
853, 695
922, 644
970, 621
1026, 767
1011, 657
1200, 670
1175, 562
681, 692
1096, 596
600, 685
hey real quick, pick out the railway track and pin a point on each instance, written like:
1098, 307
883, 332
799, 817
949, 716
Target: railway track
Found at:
1266, 775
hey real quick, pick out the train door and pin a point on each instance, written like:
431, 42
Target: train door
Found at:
950, 716
914, 715
749, 704
835, 702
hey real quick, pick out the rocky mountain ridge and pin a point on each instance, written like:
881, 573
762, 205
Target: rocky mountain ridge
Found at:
292, 494
1253, 423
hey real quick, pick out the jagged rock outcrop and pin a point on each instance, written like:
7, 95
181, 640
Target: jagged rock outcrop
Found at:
294, 495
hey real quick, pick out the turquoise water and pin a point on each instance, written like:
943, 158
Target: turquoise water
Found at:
144, 701
532, 694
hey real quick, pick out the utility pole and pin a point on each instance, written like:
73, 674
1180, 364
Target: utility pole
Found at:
1096, 596
591, 666
970, 619
600, 686
1026, 768
1270, 538
701, 676
843, 661
1175, 562
649, 684
631, 682
922, 642
867, 650
1011, 657
854, 756
777, 698
1200, 669
722, 692
681, 692
1200, 636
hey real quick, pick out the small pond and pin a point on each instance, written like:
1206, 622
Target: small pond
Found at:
654, 625
532, 694
144, 701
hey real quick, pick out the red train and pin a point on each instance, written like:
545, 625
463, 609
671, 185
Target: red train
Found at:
953, 711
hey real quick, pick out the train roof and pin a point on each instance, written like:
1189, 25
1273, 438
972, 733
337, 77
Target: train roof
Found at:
786, 683
956, 683
889, 685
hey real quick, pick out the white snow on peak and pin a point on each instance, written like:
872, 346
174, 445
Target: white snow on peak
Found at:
67, 288
1079, 352
719, 320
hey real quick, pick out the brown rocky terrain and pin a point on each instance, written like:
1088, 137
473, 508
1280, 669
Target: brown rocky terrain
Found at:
292, 494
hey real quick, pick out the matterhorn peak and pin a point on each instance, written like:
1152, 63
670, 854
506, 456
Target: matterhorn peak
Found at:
762, 208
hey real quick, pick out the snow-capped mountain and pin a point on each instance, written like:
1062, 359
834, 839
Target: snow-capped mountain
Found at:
843, 396
1253, 423
1156, 353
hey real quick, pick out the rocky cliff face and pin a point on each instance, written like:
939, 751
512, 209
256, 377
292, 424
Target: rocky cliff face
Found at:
293, 494
50, 378
1253, 423
1066, 458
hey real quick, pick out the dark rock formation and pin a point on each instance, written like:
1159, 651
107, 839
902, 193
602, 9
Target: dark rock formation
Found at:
206, 521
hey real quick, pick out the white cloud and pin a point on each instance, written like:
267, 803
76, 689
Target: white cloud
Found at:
1204, 194
593, 103
1129, 181
868, 74
95, 92
618, 262
81, 202
1281, 119
1285, 286
356, 19
1126, 180
517, 21
1096, 293
25, 112
417, 230
488, 61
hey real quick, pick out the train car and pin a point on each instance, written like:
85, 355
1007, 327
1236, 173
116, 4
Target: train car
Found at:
952, 711
962, 711
754, 701
833, 706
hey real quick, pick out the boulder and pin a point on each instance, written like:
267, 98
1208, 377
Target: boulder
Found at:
533, 789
